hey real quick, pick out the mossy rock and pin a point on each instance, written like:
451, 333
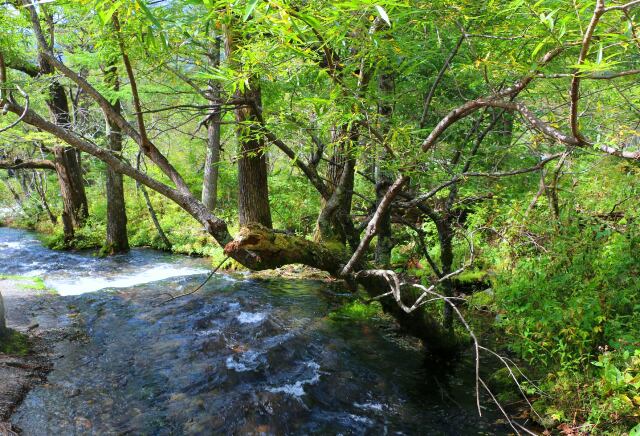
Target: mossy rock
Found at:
482, 300
14, 343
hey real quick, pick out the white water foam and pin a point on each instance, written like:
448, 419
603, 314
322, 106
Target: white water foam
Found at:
82, 285
251, 318
297, 389
247, 361
370, 406
13, 245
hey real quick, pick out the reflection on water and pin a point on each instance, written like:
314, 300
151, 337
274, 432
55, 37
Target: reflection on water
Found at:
239, 357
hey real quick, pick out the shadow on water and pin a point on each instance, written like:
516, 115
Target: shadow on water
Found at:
242, 356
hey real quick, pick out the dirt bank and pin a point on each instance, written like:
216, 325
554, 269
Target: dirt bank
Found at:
33, 313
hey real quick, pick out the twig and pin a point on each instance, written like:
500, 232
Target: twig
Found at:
198, 287
24, 112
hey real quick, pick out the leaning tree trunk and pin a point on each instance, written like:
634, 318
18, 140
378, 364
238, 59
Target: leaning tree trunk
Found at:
116, 237
210, 179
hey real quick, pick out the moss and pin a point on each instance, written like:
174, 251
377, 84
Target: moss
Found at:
14, 343
472, 276
29, 283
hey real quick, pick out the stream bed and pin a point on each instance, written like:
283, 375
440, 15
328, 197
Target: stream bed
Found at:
241, 356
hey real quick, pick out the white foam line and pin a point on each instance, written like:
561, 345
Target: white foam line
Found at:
82, 285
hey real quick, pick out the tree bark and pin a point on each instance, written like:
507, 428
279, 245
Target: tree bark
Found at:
3, 321
253, 190
445, 236
334, 221
210, 179
116, 237
67, 162
71, 186
382, 178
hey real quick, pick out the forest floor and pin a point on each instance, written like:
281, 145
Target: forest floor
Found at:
34, 314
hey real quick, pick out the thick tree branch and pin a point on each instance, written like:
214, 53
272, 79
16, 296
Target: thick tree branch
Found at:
471, 106
31, 164
372, 227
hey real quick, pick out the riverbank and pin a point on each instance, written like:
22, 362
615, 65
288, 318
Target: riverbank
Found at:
31, 312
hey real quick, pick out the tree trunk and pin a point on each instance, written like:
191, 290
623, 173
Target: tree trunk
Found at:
3, 321
210, 180
116, 237
74, 199
382, 176
445, 236
67, 159
253, 190
334, 221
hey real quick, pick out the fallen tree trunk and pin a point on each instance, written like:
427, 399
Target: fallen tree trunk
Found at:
270, 249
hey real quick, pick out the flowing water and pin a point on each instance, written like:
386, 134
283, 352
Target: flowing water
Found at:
242, 356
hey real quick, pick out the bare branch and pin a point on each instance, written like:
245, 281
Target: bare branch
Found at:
462, 176
20, 116
604, 75
432, 91
624, 7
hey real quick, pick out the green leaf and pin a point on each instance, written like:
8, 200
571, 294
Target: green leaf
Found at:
148, 13
249, 9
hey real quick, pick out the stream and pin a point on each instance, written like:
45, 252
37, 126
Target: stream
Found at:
241, 356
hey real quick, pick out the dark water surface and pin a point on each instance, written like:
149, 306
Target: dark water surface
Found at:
242, 356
